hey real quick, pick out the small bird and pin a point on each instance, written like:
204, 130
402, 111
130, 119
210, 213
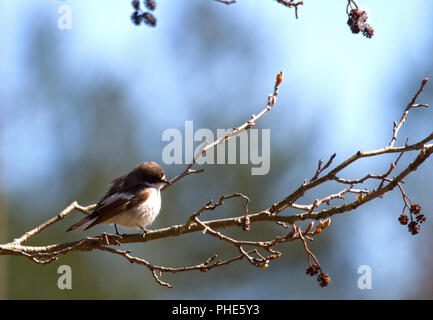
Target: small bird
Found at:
133, 200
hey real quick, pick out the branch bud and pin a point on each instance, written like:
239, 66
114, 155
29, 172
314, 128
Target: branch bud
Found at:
310, 227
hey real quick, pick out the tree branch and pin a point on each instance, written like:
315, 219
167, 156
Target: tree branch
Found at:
259, 253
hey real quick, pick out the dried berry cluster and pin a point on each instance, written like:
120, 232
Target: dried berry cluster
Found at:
357, 23
139, 16
323, 278
416, 218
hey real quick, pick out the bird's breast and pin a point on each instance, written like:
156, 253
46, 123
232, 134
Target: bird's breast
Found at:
142, 215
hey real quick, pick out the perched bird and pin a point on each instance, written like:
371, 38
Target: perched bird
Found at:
133, 200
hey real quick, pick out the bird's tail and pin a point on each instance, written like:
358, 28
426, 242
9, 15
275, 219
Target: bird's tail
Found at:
85, 220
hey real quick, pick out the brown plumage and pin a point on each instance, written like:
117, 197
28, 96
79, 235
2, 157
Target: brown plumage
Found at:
126, 194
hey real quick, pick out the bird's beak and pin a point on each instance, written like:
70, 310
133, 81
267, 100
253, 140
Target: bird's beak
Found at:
165, 181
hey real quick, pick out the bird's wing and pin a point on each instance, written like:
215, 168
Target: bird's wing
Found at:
109, 206
118, 202
114, 187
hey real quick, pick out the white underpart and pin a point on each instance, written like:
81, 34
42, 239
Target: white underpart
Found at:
141, 216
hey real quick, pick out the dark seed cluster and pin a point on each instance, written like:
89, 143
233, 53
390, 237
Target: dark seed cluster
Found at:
312, 270
416, 218
150, 4
357, 23
404, 219
323, 278
139, 16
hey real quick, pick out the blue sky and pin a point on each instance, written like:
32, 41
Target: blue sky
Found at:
320, 58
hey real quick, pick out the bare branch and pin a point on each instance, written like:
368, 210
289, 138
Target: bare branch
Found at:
257, 253
291, 4
226, 1
272, 99
73, 206
411, 104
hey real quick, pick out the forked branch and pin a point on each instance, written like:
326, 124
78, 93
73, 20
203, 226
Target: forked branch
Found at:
257, 253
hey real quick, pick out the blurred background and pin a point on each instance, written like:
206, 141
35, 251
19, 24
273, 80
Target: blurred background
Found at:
83, 106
